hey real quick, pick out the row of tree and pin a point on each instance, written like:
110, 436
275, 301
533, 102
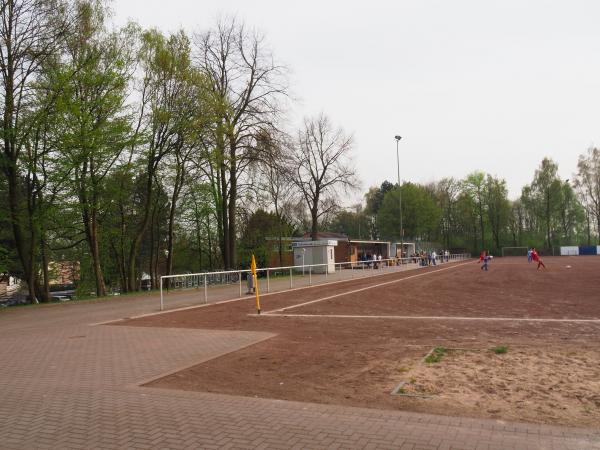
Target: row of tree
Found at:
134, 152
139, 154
475, 213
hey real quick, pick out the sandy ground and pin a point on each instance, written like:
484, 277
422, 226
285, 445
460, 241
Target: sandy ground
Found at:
560, 386
549, 375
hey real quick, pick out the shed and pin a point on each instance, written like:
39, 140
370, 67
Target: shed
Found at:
307, 253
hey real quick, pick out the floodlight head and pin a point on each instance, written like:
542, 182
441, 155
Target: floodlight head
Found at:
398, 137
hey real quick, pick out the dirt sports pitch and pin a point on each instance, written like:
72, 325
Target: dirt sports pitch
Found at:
513, 343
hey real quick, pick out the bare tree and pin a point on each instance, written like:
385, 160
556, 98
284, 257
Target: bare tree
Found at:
274, 182
247, 86
319, 165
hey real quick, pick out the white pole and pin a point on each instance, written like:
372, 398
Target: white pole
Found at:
205, 290
161, 295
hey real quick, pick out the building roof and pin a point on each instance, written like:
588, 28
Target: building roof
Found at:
328, 235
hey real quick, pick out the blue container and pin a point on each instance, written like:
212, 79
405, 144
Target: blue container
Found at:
588, 250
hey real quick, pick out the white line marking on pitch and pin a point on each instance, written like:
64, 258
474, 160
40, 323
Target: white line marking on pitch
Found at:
505, 319
364, 289
285, 291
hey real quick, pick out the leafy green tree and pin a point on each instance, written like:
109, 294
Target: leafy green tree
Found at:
420, 213
571, 215
94, 122
200, 220
446, 193
587, 183
467, 222
162, 127
498, 208
516, 223
474, 186
542, 197
373, 200
260, 226
31, 33
354, 224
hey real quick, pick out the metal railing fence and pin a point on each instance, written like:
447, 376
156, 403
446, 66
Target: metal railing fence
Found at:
309, 273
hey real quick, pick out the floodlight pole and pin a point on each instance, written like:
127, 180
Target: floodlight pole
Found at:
399, 196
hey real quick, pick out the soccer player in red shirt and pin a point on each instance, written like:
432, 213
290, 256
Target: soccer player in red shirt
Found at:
536, 257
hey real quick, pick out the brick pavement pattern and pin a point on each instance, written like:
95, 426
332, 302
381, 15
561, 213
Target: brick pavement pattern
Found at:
69, 384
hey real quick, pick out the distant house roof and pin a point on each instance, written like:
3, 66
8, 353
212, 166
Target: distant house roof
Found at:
328, 235
358, 241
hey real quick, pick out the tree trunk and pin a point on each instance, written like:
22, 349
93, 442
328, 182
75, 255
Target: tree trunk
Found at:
199, 240
134, 249
210, 247
155, 270
100, 287
548, 218
224, 225
121, 253
179, 178
232, 225
91, 233
153, 281
314, 225
481, 225
280, 246
24, 253
46, 286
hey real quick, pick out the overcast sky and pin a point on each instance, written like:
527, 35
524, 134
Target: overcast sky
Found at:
469, 85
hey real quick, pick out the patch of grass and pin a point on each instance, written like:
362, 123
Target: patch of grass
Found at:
436, 355
500, 350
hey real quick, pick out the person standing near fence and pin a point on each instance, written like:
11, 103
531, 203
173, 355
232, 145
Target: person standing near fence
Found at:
433, 257
485, 257
529, 255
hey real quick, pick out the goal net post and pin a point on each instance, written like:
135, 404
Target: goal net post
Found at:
514, 251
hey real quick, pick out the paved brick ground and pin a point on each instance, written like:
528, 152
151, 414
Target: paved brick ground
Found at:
67, 384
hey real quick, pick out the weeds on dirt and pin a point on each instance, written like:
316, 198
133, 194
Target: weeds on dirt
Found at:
500, 350
436, 355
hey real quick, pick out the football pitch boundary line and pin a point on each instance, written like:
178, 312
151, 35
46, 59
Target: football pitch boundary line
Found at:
237, 299
273, 311
457, 318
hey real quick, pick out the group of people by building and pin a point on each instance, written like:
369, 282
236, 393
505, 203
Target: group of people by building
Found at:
424, 258
374, 259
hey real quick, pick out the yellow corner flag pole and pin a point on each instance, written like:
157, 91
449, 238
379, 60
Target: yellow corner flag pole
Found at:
253, 269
